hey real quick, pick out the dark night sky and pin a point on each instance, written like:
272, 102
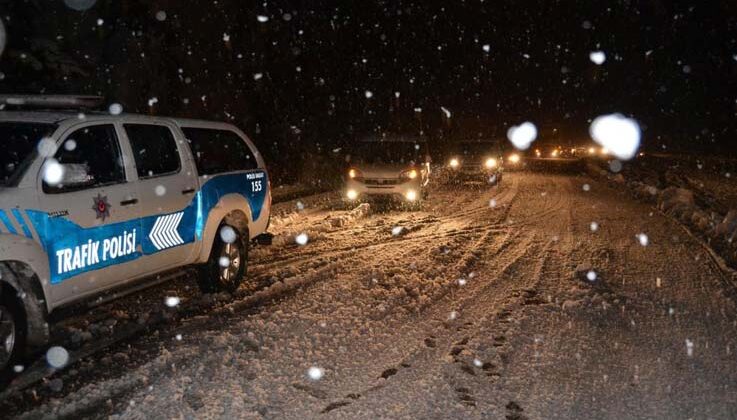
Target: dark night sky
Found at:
670, 65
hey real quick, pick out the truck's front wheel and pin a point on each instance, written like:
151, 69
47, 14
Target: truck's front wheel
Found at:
12, 334
226, 267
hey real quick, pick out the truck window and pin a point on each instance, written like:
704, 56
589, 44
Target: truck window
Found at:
219, 151
95, 147
154, 149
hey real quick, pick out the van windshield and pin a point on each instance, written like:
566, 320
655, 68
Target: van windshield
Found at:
18, 142
387, 152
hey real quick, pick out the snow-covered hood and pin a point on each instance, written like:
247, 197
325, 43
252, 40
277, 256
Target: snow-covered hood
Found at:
383, 170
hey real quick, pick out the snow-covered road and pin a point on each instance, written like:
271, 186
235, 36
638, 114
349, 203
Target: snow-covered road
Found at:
536, 299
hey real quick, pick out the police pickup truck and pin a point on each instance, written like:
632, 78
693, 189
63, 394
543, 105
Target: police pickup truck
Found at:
94, 202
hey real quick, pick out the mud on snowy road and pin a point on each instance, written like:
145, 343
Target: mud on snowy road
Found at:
535, 299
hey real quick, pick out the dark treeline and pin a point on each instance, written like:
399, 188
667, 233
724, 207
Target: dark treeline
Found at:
305, 78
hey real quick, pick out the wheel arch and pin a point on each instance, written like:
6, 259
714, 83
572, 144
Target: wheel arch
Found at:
233, 209
20, 279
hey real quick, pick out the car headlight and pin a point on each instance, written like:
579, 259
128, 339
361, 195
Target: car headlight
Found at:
351, 194
354, 173
514, 158
454, 163
554, 153
410, 174
411, 195
490, 163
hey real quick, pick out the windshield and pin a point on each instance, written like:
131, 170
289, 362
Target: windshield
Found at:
18, 142
476, 150
387, 152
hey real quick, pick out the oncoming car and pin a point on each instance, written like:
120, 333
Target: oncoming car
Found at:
476, 161
390, 168
98, 202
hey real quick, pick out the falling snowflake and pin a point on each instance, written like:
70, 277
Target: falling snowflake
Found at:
53, 172
227, 234
258, 76
486, 48
302, 239
477, 363
179, 337
80, 5
153, 101
161, 15
57, 357
591, 275
643, 239
522, 135
315, 373
262, 18
453, 315
397, 230
172, 301
300, 206
492, 203
597, 57
586, 187
689, 347
115, 109
46, 147
462, 282
368, 94
618, 134
594, 226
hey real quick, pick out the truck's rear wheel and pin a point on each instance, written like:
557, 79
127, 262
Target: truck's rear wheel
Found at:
12, 334
225, 269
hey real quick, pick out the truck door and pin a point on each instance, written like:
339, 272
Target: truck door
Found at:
166, 188
90, 217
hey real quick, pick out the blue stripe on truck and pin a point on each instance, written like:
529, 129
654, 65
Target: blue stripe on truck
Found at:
101, 246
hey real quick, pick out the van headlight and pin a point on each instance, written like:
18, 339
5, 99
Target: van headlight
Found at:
354, 173
410, 174
490, 163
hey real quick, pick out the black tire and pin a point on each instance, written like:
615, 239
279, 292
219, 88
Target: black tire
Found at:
12, 335
214, 277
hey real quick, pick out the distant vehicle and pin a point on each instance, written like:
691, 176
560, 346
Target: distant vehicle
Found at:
513, 161
477, 161
396, 168
95, 202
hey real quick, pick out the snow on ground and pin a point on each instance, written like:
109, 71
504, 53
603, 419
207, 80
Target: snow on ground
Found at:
457, 310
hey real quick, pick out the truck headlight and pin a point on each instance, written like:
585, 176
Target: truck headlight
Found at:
490, 163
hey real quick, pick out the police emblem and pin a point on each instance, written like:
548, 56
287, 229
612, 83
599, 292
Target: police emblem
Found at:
101, 207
